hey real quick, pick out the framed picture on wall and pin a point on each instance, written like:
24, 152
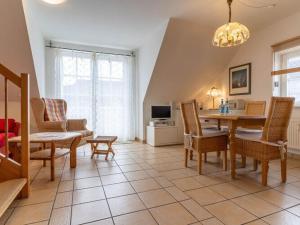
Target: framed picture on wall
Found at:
240, 80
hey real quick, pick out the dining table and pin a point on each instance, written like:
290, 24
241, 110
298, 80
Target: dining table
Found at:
52, 139
233, 121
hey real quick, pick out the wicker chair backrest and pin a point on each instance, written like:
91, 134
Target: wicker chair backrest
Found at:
190, 118
277, 123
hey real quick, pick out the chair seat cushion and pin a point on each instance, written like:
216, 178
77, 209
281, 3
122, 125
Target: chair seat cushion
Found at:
213, 132
250, 136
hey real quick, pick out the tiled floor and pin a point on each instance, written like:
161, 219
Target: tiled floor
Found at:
143, 185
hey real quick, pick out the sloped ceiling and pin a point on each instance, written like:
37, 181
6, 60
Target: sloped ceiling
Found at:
126, 23
15, 48
187, 61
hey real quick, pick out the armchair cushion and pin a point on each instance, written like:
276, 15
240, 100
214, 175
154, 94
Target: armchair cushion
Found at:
76, 124
55, 126
54, 110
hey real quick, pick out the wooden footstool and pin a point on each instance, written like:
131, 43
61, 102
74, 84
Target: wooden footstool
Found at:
108, 140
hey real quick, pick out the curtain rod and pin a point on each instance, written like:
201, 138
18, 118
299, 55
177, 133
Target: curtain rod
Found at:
106, 53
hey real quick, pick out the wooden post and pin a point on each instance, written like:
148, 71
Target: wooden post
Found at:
6, 118
25, 132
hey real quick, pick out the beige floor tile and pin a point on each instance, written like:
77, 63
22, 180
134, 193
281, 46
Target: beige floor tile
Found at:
186, 184
153, 173
66, 186
116, 190
79, 174
173, 214
130, 168
104, 163
177, 194
125, 204
164, 182
196, 210
208, 180
44, 183
63, 199
87, 183
249, 185
90, 212
61, 216
212, 221
41, 223
145, 185
109, 170
289, 189
228, 190
113, 179
205, 196
136, 218
136, 175
257, 222
277, 198
39, 196
102, 222
88, 195
295, 210
282, 218
156, 198
30, 214
229, 213
256, 206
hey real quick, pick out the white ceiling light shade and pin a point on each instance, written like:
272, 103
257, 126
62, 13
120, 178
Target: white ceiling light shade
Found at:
54, 2
231, 33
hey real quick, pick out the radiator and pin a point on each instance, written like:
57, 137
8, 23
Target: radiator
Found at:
294, 136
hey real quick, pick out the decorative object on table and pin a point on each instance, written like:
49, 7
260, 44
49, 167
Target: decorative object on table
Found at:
108, 140
240, 80
214, 93
231, 33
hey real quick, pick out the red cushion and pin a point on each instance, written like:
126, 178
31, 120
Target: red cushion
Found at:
11, 125
2, 138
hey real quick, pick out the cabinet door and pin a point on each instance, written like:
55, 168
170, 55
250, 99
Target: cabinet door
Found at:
166, 135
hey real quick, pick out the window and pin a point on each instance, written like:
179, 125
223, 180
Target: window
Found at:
98, 87
287, 83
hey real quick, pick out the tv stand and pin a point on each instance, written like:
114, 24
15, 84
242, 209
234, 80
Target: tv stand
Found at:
164, 135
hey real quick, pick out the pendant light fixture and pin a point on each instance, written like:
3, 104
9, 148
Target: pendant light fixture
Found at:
231, 33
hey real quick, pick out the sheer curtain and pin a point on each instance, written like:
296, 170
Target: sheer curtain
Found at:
98, 87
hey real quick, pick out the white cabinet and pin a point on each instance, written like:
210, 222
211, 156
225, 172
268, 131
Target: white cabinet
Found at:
164, 135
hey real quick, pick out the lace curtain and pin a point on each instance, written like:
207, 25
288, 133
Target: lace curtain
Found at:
98, 87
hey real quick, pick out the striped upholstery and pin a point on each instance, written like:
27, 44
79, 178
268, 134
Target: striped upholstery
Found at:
54, 110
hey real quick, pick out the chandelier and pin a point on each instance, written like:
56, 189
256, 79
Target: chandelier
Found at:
231, 33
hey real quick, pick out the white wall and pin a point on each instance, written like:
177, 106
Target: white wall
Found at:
187, 65
258, 51
37, 44
146, 57
15, 53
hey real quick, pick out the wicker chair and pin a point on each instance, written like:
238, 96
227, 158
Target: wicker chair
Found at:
271, 144
202, 141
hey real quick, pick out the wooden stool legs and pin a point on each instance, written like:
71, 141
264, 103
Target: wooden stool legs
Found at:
95, 150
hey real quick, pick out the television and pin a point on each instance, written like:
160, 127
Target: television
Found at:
161, 112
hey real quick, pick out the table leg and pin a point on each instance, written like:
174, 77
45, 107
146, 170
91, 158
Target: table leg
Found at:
109, 150
93, 148
52, 167
73, 152
232, 130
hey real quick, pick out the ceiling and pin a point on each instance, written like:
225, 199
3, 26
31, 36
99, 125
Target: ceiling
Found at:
127, 23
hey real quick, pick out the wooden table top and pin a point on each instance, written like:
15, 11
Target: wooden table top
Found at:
47, 137
231, 117
102, 139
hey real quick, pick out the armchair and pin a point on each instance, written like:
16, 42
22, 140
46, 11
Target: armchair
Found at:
48, 122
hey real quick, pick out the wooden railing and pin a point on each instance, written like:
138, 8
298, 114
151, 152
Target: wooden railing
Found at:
10, 169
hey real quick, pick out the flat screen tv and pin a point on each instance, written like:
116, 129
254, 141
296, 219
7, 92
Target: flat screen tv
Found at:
161, 112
